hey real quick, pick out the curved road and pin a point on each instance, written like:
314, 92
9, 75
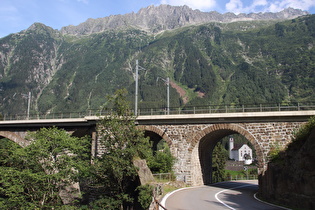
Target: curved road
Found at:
224, 195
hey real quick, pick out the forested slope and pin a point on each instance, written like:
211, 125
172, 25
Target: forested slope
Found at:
215, 63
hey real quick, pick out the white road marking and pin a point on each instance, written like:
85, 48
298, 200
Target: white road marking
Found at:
217, 194
170, 193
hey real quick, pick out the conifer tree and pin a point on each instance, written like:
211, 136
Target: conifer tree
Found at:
33, 177
122, 143
219, 158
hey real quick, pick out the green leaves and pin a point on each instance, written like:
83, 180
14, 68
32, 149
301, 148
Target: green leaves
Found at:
145, 195
122, 142
162, 160
207, 59
219, 157
33, 177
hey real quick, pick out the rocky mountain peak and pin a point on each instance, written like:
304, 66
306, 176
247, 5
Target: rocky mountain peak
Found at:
155, 19
41, 28
165, 17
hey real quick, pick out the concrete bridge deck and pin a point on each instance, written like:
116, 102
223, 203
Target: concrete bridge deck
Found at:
277, 116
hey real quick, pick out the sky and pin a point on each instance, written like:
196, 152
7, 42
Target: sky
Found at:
18, 15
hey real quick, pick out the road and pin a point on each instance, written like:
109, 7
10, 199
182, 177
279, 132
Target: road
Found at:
224, 195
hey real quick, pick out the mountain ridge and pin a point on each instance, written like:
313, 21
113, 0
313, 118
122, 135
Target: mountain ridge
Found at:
244, 62
155, 19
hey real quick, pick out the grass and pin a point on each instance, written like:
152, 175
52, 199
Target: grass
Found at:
251, 174
169, 188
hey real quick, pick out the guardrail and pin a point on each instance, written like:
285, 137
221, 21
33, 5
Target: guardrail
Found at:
172, 111
241, 177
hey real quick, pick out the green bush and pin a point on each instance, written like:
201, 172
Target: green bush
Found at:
145, 195
305, 130
162, 161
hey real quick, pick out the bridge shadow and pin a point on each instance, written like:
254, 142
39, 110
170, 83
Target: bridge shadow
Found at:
237, 195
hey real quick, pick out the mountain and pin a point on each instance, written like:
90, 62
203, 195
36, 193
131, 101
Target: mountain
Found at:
165, 17
264, 59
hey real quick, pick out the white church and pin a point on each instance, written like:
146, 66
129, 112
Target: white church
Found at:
240, 152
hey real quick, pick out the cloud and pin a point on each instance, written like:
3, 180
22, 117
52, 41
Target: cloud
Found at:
237, 6
297, 4
203, 5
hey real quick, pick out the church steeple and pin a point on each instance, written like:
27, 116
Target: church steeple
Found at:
231, 146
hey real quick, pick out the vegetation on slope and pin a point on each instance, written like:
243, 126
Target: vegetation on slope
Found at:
289, 179
235, 63
41, 175
36, 176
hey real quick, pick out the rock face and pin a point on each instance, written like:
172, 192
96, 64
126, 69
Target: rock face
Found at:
290, 180
165, 17
144, 173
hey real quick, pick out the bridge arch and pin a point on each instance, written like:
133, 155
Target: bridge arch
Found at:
155, 133
15, 138
203, 144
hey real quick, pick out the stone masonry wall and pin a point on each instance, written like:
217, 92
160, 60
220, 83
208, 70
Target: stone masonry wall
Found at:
184, 142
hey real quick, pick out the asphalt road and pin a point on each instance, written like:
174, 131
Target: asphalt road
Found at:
224, 195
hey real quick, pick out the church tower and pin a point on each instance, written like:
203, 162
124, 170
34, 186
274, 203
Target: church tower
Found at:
231, 146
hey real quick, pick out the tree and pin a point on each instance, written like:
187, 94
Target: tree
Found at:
162, 160
122, 143
35, 176
219, 158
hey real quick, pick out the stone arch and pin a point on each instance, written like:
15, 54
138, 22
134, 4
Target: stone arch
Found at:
15, 138
157, 131
205, 141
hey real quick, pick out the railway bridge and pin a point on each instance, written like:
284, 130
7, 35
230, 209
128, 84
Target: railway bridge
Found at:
191, 137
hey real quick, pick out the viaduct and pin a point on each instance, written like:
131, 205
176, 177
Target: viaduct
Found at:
191, 137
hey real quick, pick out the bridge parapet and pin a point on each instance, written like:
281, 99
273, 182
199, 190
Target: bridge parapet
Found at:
210, 109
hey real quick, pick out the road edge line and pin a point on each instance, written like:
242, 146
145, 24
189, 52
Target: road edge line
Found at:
163, 201
255, 196
223, 203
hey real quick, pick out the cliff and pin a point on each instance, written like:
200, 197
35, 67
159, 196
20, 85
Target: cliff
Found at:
290, 178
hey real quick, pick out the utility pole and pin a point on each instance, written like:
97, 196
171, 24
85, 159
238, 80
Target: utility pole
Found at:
167, 81
137, 86
28, 104
168, 95
136, 91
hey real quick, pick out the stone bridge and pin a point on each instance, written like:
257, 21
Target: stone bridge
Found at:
191, 137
